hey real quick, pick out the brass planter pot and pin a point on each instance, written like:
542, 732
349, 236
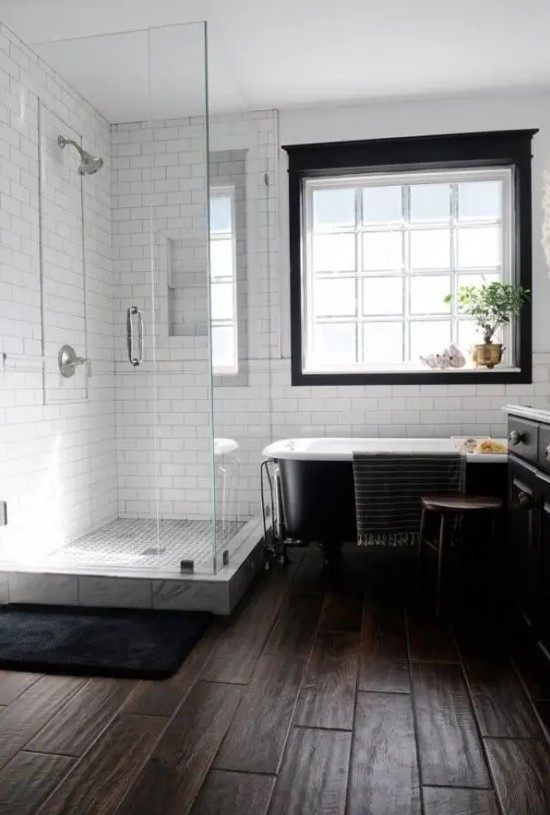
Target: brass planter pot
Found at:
488, 354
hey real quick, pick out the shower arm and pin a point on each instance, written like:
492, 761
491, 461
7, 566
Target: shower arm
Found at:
63, 142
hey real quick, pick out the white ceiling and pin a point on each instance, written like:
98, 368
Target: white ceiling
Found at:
280, 53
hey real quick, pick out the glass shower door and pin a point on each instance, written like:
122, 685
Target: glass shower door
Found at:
144, 412
178, 140
243, 279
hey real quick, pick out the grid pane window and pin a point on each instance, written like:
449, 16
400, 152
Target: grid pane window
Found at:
334, 253
428, 292
383, 342
430, 202
336, 342
333, 209
382, 205
425, 336
430, 248
335, 297
223, 281
381, 252
478, 200
479, 247
382, 295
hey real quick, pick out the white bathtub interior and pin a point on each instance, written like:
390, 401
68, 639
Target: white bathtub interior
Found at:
342, 449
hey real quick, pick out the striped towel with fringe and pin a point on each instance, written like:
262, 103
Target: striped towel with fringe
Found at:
388, 487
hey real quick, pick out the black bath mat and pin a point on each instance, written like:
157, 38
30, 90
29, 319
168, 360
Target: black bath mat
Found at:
97, 642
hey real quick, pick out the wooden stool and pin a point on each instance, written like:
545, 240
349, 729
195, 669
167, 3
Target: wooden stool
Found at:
451, 505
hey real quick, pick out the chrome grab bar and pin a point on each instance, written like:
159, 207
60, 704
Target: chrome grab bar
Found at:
135, 359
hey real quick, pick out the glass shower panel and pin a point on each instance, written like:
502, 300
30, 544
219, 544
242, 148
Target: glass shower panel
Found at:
111, 448
177, 138
122, 282
242, 193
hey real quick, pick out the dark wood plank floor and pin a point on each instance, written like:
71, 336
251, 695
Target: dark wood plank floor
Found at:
337, 695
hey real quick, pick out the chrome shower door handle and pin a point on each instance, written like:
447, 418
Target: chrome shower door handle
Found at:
135, 358
140, 336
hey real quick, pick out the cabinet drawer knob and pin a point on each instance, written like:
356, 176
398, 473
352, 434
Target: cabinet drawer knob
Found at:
525, 500
515, 437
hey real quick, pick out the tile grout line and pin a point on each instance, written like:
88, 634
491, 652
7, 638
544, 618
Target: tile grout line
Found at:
248, 594
414, 711
307, 662
19, 695
240, 772
355, 702
169, 720
297, 697
70, 697
384, 692
81, 758
208, 769
478, 727
318, 727
286, 594
43, 753
462, 787
163, 732
74, 696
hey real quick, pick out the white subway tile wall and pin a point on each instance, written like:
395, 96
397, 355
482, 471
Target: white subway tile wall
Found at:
242, 408
57, 456
163, 406
159, 189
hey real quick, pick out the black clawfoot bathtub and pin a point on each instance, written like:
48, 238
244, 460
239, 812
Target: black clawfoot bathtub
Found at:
315, 480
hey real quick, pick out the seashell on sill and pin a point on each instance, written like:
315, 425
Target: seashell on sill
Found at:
451, 357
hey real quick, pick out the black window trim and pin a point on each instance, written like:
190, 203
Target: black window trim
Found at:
411, 153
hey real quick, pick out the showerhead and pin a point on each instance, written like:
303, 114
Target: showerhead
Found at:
89, 164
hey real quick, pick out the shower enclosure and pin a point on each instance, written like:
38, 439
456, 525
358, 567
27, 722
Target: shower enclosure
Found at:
149, 277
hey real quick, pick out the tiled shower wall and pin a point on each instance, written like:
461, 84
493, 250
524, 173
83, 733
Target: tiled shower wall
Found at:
164, 406
57, 460
163, 439
242, 406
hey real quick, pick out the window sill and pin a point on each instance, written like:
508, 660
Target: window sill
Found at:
462, 376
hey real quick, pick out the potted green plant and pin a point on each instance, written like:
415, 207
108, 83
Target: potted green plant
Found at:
492, 305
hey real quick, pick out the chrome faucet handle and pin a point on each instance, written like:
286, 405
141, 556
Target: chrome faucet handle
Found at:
78, 361
68, 362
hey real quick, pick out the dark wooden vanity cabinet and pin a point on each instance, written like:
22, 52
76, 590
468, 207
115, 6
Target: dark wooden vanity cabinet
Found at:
529, 525
524, 501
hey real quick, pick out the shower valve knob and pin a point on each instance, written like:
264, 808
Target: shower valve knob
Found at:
68, 362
